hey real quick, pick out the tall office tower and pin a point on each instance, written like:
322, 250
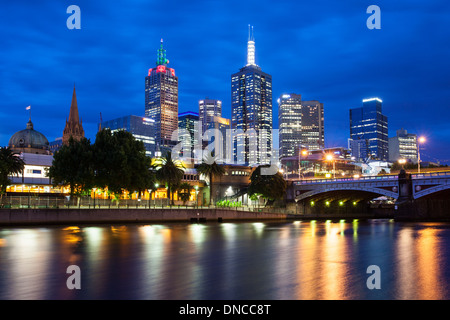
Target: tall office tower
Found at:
403, 146
74, 126
313, 133
251, 105
289, 124
188, 129
142, 128
368, 126
210, 117
300, 124
161, 100
207, 110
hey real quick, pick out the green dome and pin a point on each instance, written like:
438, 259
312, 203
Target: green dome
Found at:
28, 138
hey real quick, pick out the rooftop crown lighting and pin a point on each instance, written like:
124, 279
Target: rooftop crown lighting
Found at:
372, 99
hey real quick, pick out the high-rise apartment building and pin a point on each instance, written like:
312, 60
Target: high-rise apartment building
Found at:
251, 105
161, 100
369, 127
403, 146
301, 125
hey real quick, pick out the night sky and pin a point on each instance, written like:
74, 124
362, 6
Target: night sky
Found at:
322, 50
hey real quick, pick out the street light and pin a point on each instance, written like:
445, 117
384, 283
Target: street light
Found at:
304, 153
330, 157
419, 141
402, 162
196, 195
156, 193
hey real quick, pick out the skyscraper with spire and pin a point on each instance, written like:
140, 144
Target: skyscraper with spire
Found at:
161, 100
251, 104
74, 126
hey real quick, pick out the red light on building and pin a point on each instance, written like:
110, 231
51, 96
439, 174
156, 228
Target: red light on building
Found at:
161, 69
172, 71
150, 71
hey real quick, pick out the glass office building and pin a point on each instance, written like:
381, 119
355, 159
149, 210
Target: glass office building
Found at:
142, 128
370, 127
251, 107
301, 124
161, 100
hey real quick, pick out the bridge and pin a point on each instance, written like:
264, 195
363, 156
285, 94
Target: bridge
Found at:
354, 194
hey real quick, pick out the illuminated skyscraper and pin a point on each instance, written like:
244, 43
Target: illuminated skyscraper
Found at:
369, 127
188, 127
207, 110
210, 116
251, 105
300, 124
161, 100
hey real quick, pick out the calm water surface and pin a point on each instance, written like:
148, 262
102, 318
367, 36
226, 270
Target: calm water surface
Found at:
288, 260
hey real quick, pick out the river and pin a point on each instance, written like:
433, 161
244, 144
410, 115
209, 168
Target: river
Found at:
292, 260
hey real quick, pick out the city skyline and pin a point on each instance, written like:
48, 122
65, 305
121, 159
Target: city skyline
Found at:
329, 55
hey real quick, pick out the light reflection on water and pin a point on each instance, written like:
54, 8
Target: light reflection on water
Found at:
287, 260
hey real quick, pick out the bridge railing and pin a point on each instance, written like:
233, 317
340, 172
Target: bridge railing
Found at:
430, 175
336, 180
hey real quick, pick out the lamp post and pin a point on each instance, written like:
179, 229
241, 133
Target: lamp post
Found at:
303, 152
156, 193
402, 162
419, 141
196, 195
330, 157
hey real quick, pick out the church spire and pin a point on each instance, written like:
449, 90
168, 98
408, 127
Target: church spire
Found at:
74, 128
73, 115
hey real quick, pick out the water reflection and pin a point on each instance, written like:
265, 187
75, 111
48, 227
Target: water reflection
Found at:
291, 260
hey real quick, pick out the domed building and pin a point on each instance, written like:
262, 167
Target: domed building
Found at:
29, 141
33, 148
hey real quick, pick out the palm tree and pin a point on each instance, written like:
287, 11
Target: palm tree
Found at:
210, 168
170, 172
10, 164
184, 192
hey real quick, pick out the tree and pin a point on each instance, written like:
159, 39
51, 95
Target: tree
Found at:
170, 172
120, 162
73, 166
10, 164
184, 192
270, 187
211, 169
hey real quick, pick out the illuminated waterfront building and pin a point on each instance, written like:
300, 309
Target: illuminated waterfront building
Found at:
301, 124
161, 100
370, 127
251, 107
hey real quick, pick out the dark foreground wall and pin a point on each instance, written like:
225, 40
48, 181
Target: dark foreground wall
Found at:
424, 209
76, 216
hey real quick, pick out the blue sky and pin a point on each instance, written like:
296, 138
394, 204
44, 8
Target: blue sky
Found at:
322, 50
